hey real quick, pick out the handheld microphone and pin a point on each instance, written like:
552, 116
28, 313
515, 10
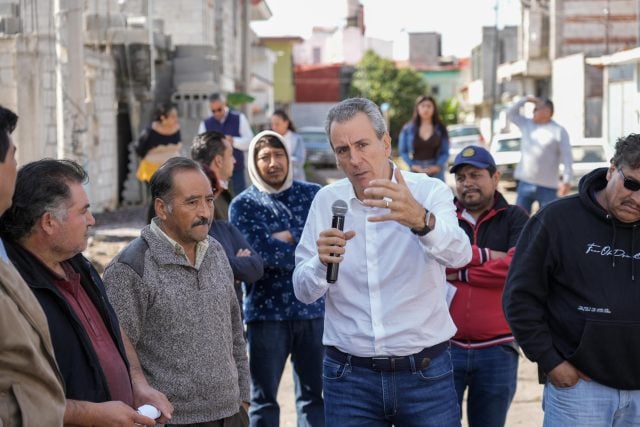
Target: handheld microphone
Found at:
339, 210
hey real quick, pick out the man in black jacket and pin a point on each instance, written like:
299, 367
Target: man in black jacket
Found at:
215, 155
572, 296
45, 231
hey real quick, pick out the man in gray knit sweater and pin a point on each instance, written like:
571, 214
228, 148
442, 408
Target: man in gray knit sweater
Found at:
172, 289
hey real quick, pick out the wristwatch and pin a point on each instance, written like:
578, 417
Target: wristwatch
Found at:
424, 230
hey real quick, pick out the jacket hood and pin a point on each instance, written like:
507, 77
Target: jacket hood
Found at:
591, 183
256, 180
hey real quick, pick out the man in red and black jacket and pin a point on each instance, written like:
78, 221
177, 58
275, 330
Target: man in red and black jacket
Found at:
483, 351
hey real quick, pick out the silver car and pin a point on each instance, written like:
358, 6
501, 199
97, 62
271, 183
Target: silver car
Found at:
462, 135
316, 144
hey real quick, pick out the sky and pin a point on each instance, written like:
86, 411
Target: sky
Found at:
459, 21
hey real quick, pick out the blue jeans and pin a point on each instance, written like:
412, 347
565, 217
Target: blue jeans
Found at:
355, 396
529, 193
490, 374
589, 403
270, 343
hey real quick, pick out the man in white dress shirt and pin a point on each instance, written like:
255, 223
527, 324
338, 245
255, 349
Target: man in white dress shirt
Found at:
387, 324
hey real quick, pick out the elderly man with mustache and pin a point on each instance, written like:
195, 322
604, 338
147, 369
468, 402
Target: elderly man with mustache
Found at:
271, 214
173, 291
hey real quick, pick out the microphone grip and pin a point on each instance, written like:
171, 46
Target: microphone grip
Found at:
332, 268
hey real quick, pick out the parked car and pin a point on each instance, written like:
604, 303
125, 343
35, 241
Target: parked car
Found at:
462, 135
316, 143
505, 149
588, 154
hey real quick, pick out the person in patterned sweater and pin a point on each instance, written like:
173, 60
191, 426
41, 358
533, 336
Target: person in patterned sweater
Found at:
271, 214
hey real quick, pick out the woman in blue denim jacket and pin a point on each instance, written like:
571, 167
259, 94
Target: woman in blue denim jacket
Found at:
424, 142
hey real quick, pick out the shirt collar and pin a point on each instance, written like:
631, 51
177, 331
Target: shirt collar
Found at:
352, 192
467, 215
201, 247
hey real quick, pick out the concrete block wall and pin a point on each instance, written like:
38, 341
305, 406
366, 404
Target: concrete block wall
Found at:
34, 82
594, 27
36, 16
8, 84
102, 145
106, 7
189, 22
228, 27
28, 87
424, 48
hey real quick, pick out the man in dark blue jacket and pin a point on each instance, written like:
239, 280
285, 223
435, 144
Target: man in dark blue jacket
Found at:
44, 232
214, 153
572, 296
236, 127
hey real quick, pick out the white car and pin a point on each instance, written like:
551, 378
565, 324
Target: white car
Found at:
505, 149
588, 154
462, 135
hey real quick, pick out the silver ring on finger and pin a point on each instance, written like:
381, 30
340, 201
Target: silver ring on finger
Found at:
386, 204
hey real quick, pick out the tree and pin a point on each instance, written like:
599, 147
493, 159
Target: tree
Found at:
379, 80
449, 109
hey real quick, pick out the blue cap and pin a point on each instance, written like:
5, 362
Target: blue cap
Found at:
473, 155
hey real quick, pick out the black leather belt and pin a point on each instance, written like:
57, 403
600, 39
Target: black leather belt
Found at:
390, 363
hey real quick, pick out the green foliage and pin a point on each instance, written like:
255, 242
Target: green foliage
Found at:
379, 80
449, 109
238, 99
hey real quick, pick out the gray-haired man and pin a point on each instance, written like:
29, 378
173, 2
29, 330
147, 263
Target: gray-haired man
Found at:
173, 291
387, 325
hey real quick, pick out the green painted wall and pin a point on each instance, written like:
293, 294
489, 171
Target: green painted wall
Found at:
283, 85
447, 81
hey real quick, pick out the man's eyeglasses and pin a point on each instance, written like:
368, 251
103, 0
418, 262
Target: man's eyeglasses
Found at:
629, 183
217, 110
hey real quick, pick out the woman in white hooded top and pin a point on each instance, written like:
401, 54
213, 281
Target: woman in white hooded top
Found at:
282, 124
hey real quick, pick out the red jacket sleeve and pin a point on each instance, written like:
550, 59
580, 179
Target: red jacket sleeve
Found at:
478, 257
488, 274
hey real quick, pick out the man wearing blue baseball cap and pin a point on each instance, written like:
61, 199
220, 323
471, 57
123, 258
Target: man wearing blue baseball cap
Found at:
483, 351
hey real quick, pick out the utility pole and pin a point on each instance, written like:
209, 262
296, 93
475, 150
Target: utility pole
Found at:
607, 13
70, 97
494, 70
152, 51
